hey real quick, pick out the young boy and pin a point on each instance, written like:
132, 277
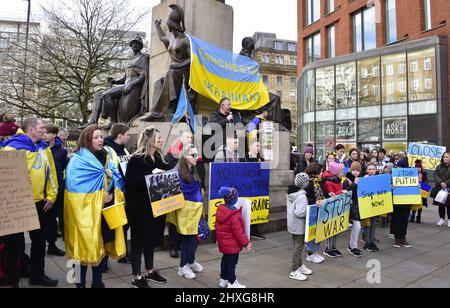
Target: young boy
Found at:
297, 203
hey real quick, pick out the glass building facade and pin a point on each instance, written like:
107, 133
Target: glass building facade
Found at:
384, 97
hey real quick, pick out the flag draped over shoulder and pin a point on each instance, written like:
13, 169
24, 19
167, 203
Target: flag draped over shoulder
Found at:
86, 182
187, 218
184, 109
217, 73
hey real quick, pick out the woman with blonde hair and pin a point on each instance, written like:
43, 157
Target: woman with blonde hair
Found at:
147, 231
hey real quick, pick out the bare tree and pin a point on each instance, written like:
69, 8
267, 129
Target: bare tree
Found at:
69, 60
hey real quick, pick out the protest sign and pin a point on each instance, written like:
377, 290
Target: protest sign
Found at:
406, 186
252, 183
123, 162
165, 192
430, 155
333, 217
17, 208
267, 134
311, 223
375, 196
246, 206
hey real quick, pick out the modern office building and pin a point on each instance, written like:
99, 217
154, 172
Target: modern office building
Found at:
373, 73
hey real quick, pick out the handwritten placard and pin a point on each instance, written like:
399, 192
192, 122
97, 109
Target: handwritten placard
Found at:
17, 208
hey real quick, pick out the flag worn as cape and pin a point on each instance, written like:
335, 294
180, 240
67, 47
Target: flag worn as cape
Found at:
86, 183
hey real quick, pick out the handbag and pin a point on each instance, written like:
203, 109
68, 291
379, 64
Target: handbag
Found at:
203, 229
442, 196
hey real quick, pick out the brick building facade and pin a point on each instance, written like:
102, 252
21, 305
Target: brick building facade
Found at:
373, 73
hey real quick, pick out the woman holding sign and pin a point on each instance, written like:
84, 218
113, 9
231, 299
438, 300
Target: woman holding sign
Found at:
146, 230
187, 218
442, 178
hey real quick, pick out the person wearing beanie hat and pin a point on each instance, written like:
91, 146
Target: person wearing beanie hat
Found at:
297, 204
306, 160
230, 237
417, 208
400, 216
332, 187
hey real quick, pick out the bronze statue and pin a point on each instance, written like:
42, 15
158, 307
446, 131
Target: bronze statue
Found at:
167, 89
124, 103
274, 105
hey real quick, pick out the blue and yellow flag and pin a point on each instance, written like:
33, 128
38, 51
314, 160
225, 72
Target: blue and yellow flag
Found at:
184, 109
188, 217
86, 183
424, 190
217, 73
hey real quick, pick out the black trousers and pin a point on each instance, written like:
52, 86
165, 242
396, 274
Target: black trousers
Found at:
14, 249
442, 209
400, 219
228, 267
136, 257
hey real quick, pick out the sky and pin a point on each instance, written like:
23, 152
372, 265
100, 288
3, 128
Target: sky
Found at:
250, 16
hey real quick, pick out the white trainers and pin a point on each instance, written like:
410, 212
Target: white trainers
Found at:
186, 272
319, 258
236, 285
223, 283
305, 271
196, 267
315, 258
391, 236
440, 222
298, 276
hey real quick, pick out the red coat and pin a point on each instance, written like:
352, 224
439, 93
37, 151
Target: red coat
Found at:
333, 185
230, 231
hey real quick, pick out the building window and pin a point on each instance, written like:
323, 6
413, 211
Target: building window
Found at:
331, 31
312, 45
279, 81
293, 96
364, 30
279, 46
312, 11
427, 64
292, 47
266, 80
293, 81
279, 60
330, 6
325, 88
293, 61
393, 80
369, 94
346, 85
414, 66
422, 75
427, 14
391, 21
402, 67
265, 58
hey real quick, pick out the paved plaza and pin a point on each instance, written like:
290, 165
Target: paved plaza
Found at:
426, 264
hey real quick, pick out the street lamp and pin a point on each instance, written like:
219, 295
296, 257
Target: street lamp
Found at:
26, 54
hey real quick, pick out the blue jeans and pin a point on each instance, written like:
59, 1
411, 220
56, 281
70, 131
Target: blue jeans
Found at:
228, 267
312, 247
97, 274
189, 246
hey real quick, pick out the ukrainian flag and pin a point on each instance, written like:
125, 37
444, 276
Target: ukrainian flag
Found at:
184, 109
188, 217
424, 190
407, 195
86, 183
216, 73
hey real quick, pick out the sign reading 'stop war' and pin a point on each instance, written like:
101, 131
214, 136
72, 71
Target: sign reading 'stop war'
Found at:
430, 155
333, 218
252, 183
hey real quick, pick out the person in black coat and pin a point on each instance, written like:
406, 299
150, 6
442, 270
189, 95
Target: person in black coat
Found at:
147, 232
442, 180
59, 154
306, 160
